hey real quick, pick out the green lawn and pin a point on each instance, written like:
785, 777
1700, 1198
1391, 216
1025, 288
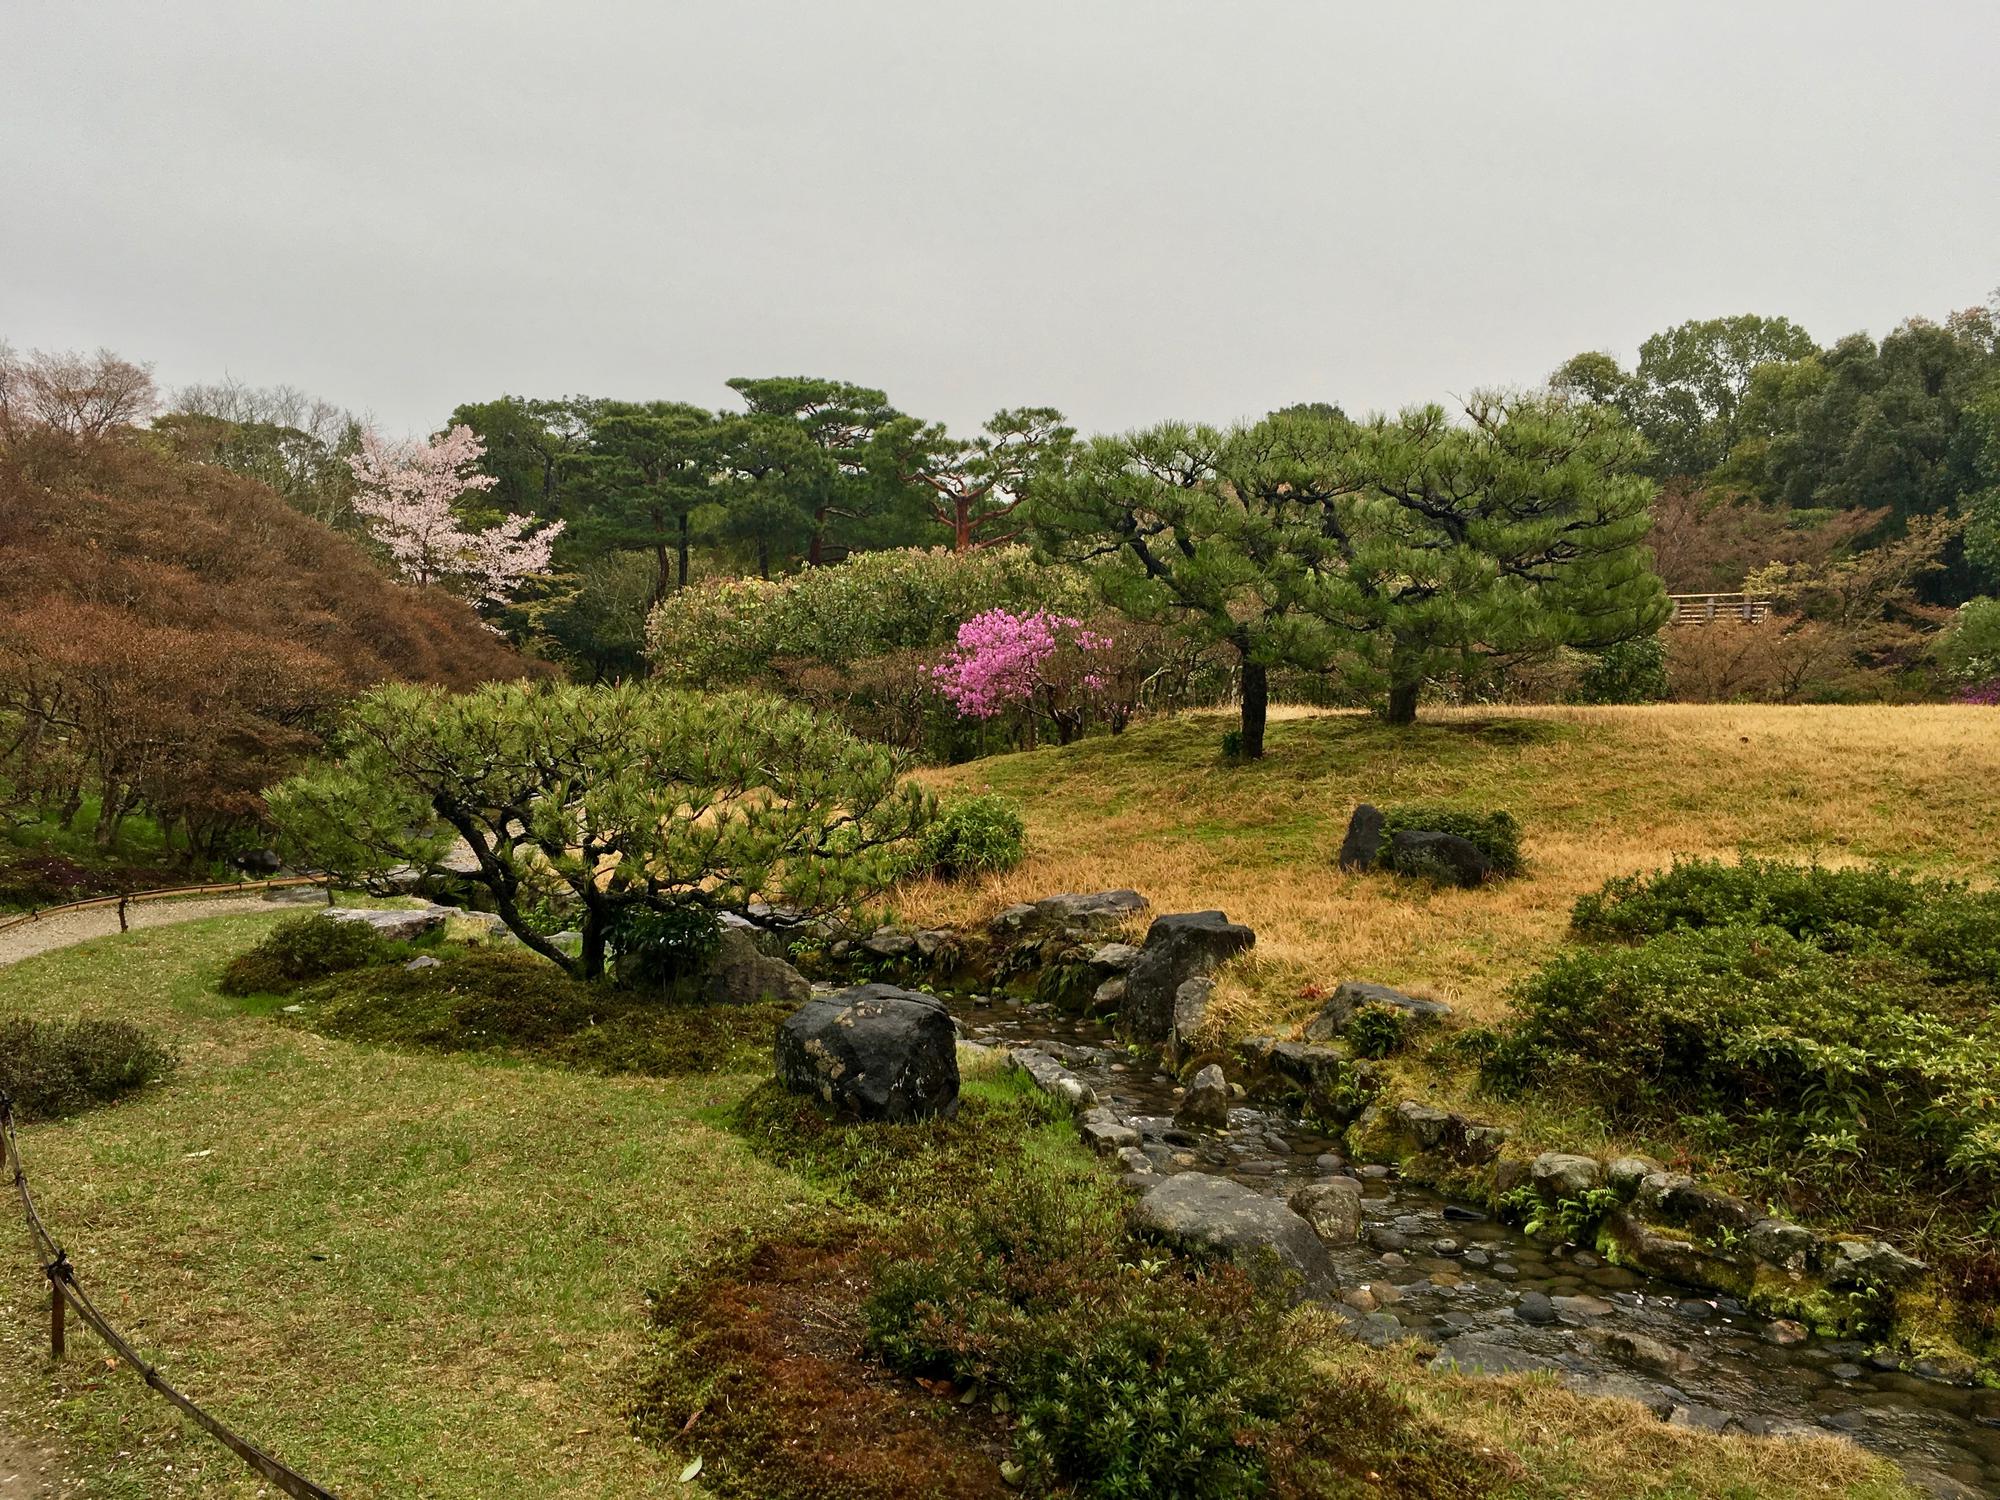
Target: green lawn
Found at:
405, 1274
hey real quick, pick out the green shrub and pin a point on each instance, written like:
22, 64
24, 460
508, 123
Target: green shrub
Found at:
1952, 931
516, 1005
1378, 1030
1496, 834
55, 1068
974, 836
1815, 1072
1632, 671
658, 949
1969, 647
301, 949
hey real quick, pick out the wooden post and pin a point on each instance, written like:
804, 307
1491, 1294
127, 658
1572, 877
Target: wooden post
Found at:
57, 1344
123, 899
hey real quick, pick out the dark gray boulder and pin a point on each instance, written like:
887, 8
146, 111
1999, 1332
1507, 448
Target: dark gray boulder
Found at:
1358, 851
874, 1051
1196, 1210
1179, 946
1352, 994
741, 973
1445, 855
258, 862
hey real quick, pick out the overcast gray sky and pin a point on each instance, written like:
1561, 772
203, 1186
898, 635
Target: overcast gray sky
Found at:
1131, 209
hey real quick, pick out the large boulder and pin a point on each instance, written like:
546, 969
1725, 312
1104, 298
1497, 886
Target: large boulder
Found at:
1358, 851
874, 1051
1444, 855
741, 973
1215, 1213
1333, 1208
1352, 994
1179, 946
397, 923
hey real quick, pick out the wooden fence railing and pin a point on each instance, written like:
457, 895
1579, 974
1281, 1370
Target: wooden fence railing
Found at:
164, 893
1706, 609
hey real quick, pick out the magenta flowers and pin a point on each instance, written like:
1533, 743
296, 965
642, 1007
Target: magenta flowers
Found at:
1005, 661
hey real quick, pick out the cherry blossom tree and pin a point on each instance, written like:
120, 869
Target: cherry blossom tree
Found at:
408, 491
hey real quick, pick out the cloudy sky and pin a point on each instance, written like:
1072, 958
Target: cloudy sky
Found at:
1131, 209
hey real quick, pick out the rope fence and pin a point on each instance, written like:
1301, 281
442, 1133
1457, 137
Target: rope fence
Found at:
125, 899
66, 1295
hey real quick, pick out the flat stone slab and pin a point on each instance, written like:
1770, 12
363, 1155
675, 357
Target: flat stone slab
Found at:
397, 924
1215, 1213
1470, 1356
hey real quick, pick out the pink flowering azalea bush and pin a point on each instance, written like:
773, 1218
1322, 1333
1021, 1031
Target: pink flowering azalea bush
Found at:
1033, 663
1986, 693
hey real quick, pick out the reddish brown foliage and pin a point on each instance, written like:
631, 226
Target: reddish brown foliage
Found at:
176, 636
769, 1383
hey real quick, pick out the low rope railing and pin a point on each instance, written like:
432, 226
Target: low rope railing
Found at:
66, 1294
125, 899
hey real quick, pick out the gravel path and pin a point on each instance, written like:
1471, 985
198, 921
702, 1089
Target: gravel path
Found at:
25, 1471
65, 928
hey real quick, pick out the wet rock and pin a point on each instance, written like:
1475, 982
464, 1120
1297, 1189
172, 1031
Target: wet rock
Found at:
1445, 1247
1179, 947
888, 942
1108, 996
1535, 1307
1459, 860
740, 973
1584, 1306
1051, 1077
1458, 1213
1845, 1371
1383, 1238
874, 1051
1104, 1132
1786, 1333
1584, 1260
1658, 1401
1472, 1356
1359, 1298
1703, 1418
1205, 1106
1099, 914
1559, 1174
1871, 1263
1478, 1258
423, 961
1333, 1209
1646, 1352
1114, 958
1375, 1172
1625, 1173
1216, 1213
1781, 1243
1352, 994
1363, 842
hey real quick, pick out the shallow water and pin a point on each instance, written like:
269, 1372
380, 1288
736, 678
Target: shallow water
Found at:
1453, 1276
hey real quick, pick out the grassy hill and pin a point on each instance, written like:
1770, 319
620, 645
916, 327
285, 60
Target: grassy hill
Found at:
1599, 792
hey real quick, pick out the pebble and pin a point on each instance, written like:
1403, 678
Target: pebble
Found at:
1784, 1332
1394, 1261
1845, 1371
1535, 1307
1585, 1306
1506, 1272
1327, 1161
1586, 1260
1477, 1257
1360, 1299
1375, 1172
1444, 1247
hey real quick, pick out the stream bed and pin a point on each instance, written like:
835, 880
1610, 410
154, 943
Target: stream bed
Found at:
1488, 1296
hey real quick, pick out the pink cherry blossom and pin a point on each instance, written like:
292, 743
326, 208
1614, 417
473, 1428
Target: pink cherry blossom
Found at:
407, 494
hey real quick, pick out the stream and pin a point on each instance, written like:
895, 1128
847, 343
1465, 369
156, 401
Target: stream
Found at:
1487, 1295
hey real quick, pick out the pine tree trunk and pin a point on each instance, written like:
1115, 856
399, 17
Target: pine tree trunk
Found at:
684, 552
1402, 702
1256, 708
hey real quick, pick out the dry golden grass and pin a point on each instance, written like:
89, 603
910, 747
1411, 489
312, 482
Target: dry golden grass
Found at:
1599, 792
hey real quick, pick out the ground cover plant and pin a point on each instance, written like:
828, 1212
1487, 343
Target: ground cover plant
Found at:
970, 1295
54, 1068
1830, 1039
301, 949
973, 836
1494, 834
515, 1005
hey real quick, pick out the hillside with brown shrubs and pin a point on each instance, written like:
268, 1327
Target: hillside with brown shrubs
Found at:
174, 637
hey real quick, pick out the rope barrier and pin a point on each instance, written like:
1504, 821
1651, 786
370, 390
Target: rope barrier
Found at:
163, 893
65, 1293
